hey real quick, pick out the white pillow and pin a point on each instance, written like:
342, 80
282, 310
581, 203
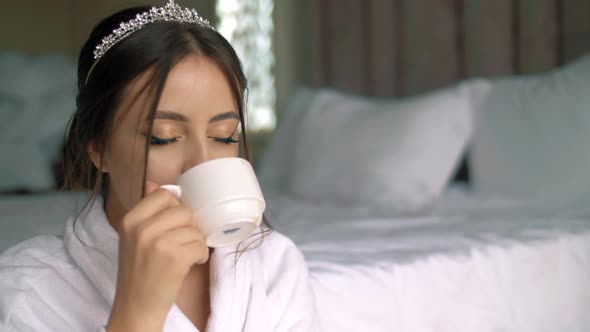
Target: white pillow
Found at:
23, 167
275, 164
28, 77
532, 135
36, 105
389, 155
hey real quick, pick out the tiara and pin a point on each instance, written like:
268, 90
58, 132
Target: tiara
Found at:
171, 12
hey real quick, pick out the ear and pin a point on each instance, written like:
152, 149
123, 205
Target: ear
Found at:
94, 153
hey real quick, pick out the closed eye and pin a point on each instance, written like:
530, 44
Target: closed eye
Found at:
162, 141
227, 140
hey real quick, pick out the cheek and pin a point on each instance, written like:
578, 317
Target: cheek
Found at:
167, 163
218, 150
125, 164
236, 150
164, 166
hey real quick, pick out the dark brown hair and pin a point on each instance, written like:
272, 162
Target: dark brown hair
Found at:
154, 49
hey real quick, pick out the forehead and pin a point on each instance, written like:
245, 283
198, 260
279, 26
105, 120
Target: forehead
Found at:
195, 87
196, 83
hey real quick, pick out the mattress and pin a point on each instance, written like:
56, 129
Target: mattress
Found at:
25, 216
468, 264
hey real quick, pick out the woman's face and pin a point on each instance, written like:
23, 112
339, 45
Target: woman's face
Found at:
196, 120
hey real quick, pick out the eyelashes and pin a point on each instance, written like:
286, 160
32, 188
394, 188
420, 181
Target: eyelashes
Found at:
162, 141
228, 140
165, 141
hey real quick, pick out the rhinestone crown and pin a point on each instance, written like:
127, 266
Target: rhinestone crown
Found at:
171, 12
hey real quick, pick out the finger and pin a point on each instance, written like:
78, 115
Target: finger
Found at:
171, 218
195, 252
152, 204
181, 236
187, 243
150, 187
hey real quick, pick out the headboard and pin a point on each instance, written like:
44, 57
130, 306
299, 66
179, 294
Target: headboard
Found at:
403, 47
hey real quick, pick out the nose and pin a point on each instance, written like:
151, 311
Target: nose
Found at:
196, 153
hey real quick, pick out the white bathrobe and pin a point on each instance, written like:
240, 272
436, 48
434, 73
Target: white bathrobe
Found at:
51, 283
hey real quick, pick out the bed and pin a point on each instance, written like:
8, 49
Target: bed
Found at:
470, 264
366, 189
395, 243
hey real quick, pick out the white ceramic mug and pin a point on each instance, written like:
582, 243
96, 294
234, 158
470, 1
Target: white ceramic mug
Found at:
225, 197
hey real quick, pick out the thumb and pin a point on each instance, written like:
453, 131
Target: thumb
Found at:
150, 187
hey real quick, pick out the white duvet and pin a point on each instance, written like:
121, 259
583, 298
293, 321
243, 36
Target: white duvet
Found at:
470, 264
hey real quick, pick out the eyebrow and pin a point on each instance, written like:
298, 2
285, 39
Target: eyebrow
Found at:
224, 116
169, 115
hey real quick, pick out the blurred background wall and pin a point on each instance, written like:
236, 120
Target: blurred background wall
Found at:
384, 48
371, 47
404, 47
39, 26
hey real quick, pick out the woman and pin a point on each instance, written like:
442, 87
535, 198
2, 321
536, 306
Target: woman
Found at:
157, 95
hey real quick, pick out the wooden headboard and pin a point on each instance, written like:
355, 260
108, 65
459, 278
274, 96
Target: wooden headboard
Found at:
403, 47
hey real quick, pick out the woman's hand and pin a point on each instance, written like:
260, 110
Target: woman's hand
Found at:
158, 245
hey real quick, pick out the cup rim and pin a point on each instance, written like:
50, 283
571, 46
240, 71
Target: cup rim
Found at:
209, 162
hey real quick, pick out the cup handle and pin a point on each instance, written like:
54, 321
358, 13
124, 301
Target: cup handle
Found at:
174, 189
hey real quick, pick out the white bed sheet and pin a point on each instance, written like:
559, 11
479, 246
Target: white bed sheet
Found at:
25, 216
470, 264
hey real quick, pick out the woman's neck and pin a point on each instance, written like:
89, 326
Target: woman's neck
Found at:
114, 211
